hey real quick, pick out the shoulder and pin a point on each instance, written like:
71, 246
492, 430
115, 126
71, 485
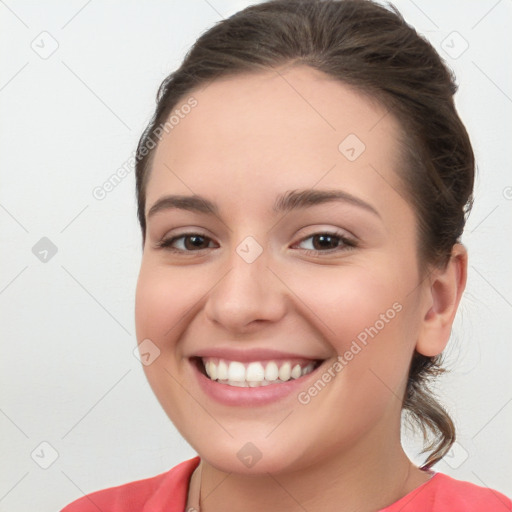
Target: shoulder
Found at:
443, 493
166, 491
468, 497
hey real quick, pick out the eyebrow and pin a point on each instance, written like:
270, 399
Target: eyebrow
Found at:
291, 200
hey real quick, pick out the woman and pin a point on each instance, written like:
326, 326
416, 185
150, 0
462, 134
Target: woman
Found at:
302, 190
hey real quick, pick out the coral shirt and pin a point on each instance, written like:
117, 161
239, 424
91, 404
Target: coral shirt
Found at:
168, 492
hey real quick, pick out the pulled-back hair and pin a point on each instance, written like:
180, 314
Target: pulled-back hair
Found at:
372, 48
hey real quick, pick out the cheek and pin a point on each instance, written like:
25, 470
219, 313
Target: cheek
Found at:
367, 316
347, 301
164, 299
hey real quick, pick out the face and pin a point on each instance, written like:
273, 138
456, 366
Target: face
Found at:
259, 276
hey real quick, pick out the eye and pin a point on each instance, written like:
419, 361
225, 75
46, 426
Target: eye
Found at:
186, 242
321, 242
327, 242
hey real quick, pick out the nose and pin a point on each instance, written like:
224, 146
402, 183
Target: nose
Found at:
248, 295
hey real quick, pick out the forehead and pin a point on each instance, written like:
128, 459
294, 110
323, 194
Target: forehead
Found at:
281, 129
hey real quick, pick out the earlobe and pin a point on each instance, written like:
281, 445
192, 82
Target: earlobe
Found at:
443, 296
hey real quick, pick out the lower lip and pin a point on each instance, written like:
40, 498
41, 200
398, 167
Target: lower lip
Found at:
238, 396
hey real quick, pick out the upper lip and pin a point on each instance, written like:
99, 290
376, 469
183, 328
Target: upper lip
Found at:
250, 354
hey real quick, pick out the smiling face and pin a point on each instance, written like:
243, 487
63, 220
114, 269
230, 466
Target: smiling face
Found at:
333, 280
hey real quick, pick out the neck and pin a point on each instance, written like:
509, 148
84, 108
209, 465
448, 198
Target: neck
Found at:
371, 475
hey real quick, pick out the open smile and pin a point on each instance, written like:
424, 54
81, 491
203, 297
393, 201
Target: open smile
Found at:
251, 383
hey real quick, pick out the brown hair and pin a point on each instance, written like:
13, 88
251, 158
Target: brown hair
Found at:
372, 48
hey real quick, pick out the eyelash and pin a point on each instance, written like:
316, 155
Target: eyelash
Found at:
346, 243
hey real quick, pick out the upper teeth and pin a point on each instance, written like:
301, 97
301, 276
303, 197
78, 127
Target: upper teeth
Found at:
255, 373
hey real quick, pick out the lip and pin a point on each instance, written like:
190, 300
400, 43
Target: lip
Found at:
250, 397
246, 355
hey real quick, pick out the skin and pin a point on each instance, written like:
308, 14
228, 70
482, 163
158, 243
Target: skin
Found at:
343, 447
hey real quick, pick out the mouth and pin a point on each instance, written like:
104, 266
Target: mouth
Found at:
254, 374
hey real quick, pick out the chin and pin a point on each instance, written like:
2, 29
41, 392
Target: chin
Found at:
250, 458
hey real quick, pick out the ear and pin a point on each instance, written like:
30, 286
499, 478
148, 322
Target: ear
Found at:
442, 296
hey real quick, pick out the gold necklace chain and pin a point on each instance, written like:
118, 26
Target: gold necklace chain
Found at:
194, 494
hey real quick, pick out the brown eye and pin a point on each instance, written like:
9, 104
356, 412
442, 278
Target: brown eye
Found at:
188, 242
326, 242
196, 242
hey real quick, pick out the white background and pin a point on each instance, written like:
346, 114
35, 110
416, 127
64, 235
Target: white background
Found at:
68, 121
